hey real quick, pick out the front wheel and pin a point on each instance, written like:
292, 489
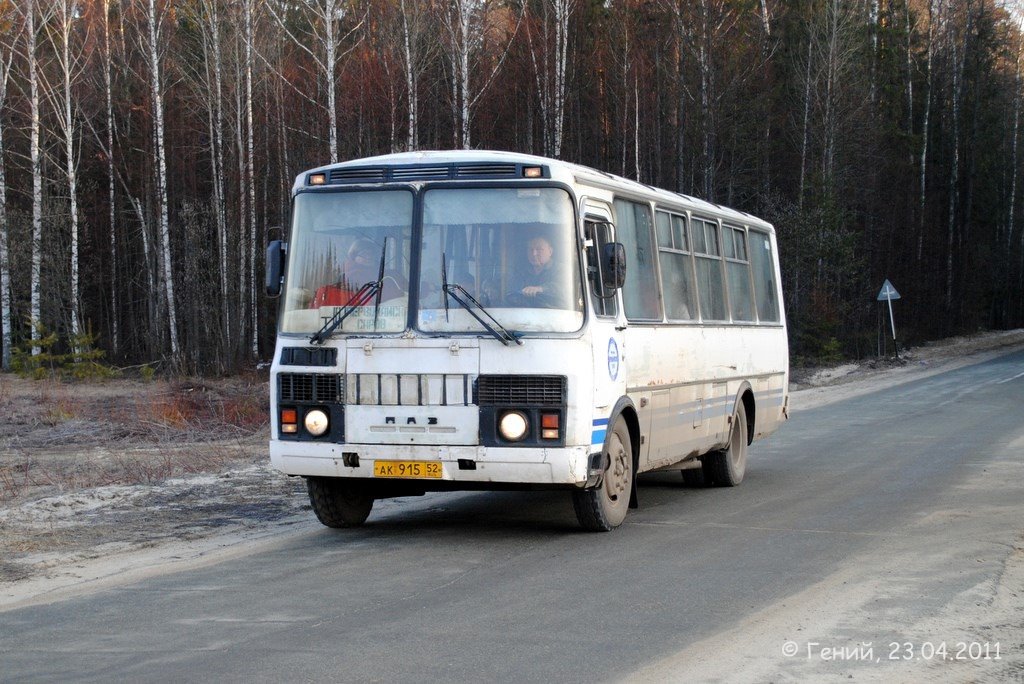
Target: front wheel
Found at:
604, 507
336, 503
726, 467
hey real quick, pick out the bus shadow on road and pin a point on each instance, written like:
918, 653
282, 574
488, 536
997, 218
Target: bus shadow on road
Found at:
526, 512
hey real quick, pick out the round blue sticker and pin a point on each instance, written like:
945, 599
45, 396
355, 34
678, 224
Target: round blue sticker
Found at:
613, 359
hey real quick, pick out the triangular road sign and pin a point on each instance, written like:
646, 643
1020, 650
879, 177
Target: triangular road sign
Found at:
887, 292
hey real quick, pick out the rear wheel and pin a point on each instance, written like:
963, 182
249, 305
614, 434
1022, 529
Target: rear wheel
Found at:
337, 503
726, 467
604, 507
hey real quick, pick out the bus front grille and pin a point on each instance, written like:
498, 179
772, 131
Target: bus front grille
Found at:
312, 387
409, 389
520, 390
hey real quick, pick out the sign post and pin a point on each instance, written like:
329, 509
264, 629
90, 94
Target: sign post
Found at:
887, 294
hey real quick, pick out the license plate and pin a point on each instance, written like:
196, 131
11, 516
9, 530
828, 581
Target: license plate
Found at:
407, 469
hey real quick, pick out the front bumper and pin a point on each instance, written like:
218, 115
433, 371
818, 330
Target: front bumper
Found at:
498, 465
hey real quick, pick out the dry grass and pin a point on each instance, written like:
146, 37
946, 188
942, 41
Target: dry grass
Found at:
62, 437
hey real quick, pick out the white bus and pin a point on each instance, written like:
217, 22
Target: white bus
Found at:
487, 320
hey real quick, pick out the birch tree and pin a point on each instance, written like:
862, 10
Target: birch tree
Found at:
933, 6
413, 21
550, 69
958, 58
108, 91
9, 25
152, 49
210, 76
250, 177
326, 41
69, 61
1014, 156
476, 40
31, 60
704, 45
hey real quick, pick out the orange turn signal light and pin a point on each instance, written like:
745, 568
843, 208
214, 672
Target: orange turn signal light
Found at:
289, 421
549, 425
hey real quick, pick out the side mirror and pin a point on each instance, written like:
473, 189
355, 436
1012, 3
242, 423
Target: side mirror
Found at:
613, 265
276, 251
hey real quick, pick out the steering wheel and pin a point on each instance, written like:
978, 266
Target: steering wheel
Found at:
544, 299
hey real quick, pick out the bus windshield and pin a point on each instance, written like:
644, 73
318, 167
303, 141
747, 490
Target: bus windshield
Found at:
513, 250
349, 250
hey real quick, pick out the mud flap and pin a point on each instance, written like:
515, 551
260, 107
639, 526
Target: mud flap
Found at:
634, 501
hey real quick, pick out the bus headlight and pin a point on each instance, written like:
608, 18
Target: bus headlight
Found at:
316, 422
513, 426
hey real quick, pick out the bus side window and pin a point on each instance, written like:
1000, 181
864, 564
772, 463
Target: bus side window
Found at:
641, 295
598, 234
762, 263
710, 281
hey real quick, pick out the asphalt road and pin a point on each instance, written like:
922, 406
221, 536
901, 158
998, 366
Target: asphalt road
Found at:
920, 483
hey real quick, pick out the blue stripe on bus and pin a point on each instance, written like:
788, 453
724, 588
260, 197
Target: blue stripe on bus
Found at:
600, 430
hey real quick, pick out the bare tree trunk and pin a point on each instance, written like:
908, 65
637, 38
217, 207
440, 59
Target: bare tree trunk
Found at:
6, 327
411, 76
111, 198
873, 16
805, 137
465, 10
251, 183
925, 128
63, 28
829, 125
706, 85
330, 46
954, 175
156, 92
551, 72
465, 24
323, 45
636, 127
147, 249
540, 79
243, 214
563, 10
909, 73
35, 311
679, 39
1012, 209
215, 120
1014, 163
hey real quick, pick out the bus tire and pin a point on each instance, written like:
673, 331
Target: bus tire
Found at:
726, 467
336, 503
603, 508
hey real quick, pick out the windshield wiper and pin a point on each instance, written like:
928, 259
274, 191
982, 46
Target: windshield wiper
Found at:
368, 291
457, 292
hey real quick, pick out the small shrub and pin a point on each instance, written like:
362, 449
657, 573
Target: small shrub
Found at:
82, 362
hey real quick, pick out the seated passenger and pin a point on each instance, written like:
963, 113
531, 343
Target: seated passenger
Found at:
362, 266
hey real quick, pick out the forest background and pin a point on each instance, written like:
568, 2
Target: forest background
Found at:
147, 147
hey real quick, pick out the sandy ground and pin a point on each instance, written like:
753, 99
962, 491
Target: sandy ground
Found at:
108, 484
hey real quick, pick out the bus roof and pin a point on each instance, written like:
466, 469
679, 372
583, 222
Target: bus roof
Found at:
566, 172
